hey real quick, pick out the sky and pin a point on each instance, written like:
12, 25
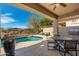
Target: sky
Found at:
13, 17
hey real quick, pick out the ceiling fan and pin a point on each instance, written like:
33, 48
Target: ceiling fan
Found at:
58, 4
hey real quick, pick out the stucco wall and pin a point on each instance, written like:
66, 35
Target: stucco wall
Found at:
48, 30
70, 25
74, 22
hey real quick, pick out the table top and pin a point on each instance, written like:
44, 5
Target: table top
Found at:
65, 38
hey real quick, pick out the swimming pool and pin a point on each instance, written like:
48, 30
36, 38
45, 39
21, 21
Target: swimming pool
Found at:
24, 39
31, 38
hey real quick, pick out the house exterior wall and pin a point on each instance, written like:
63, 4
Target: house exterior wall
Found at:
74, 22
72, 25
48, 30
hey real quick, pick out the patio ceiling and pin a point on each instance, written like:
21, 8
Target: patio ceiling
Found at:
46, 9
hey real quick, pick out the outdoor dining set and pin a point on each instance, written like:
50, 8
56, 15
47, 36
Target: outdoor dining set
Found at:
63, 44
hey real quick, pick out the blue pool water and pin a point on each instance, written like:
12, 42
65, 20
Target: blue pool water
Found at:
24, 39
32, 38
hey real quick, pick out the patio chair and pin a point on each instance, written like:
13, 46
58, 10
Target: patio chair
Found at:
68, 45
50, 44
56, 42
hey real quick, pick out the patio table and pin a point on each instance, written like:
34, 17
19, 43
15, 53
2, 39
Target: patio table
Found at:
59, 42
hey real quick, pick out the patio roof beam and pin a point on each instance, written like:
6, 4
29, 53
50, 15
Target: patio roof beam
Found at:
42, 9
68, 16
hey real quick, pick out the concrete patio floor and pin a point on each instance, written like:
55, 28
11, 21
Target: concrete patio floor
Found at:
39, 49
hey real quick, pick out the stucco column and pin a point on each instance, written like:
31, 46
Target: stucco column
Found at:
55, 27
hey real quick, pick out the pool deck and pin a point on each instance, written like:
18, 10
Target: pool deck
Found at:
36, 48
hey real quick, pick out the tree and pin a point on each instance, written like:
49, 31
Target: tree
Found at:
45, 22
34, 24
2, 30
14, 30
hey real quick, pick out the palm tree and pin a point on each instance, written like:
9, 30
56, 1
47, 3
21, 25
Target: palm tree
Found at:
45, 22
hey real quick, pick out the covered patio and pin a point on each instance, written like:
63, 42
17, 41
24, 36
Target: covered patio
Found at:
59, 13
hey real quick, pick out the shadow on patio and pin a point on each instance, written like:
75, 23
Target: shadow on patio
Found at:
39, 49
